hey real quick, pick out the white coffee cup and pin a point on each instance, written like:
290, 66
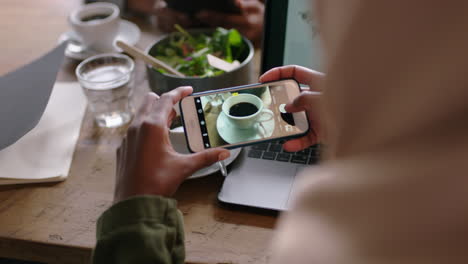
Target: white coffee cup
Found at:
245, 122
99, 33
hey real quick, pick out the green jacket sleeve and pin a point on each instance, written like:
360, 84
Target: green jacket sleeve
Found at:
140, 230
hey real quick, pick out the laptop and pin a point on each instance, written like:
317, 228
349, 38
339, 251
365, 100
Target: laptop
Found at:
264, 174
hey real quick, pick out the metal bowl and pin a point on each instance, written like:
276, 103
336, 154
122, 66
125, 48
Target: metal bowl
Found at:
161, 83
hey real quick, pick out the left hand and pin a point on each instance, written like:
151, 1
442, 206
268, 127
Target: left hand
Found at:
168, 17
165, 16
249, 22
147, 164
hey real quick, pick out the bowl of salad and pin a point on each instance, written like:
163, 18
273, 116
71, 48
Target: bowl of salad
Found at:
209, 59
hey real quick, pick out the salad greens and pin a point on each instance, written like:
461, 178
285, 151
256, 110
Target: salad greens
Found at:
187, 53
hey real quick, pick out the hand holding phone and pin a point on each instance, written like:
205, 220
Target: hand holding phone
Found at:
309, 100
147, 164
239, 116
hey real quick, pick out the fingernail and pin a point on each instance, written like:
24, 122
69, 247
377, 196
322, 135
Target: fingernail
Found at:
224, 155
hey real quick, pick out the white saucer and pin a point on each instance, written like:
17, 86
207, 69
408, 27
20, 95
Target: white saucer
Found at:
128, 32
215, 167
232, 134
180, 145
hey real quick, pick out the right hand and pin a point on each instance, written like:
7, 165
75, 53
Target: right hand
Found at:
308, 101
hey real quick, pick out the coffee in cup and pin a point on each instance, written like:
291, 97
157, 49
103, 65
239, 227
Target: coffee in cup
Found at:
94, 17
244, 110
96, 25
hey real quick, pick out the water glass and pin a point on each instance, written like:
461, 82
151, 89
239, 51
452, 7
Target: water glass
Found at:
107, 81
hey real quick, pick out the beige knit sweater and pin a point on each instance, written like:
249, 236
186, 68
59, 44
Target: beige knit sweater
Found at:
394, 188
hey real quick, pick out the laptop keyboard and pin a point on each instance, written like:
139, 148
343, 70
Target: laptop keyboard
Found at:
275, 151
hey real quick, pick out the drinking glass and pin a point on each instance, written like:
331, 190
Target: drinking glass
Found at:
107, 81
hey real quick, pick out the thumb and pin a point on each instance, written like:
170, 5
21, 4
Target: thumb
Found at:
200, 160
305, 101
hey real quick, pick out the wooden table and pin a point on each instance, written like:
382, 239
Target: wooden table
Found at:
55, 223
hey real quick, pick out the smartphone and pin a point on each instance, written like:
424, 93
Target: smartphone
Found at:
241, 116
192, 7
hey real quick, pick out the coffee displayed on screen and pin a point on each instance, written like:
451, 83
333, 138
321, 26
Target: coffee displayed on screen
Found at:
94, 17
243, 109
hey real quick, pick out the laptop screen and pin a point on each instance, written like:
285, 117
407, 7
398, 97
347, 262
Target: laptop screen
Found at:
291, 35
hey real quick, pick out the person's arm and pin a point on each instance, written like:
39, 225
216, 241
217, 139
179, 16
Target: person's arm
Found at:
395, 94
143, 226
143, 229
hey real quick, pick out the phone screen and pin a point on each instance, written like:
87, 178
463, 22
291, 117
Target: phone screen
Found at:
245, 115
